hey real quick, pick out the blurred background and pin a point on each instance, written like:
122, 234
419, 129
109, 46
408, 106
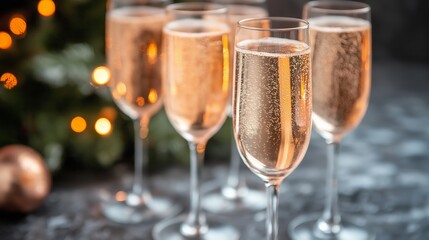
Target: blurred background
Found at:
50, 98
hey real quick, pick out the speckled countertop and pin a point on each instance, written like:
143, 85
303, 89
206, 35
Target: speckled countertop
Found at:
384, 175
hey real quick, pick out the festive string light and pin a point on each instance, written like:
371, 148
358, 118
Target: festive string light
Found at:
152, 52
153, 95
121, 89
140, 101
17, 25
9, 80
109, 113
103, 126
46, 8
101, 75
78, 124
121, 196
5, 40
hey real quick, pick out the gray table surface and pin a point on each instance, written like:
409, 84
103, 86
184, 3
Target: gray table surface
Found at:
384, 176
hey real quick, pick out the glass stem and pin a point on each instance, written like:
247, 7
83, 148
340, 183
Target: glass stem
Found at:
272, 211
330, 222
139, 158
235, 186
195, 225
234, 168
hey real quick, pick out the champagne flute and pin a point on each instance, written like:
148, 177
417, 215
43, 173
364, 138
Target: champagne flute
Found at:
133, 42
340, 35
236, 194
196, 89
272, 101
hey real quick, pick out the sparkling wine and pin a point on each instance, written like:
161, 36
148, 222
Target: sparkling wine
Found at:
133, 54
272, 102
341, 60
197, 76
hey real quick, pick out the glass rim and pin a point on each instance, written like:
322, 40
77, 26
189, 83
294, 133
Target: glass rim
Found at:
323, 6
192, 8
240, 24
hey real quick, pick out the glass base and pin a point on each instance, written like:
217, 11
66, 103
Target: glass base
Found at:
128, 208
303, 228
218, 199
256, 229
171, 230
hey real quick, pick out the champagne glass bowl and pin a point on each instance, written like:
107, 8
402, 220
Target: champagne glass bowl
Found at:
237, 193
134, 27
272, 101
196, 89
340, 33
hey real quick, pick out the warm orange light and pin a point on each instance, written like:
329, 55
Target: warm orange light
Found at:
5, 40
121, 196
9, 80
152, 52
101, 75
225, 83
201, 148
153, 96
78, 124
46, 8
103, 126
121, 88
140, 101
18, 25
109, 113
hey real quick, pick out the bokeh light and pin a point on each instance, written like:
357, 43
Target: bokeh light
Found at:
78, 124
101, 75
109, 113
9, 80
17, 25
121, 196
153, 96
5, 40
121, 89
152, 52
46, 8
140, 101
103, 126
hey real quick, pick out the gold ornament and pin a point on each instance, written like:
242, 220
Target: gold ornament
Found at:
25, 180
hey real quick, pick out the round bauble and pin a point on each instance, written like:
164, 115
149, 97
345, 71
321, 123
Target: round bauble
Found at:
25, 181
